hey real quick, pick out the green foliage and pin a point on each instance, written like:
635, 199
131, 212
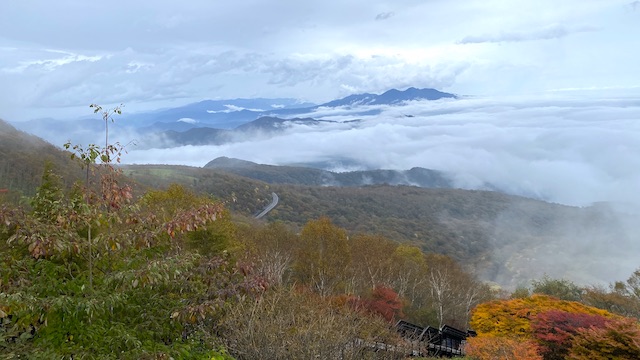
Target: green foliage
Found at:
48, 196
23, 158
324, 257
95, 274
520, 292
151, 301
212, 239
559, 288
215, 238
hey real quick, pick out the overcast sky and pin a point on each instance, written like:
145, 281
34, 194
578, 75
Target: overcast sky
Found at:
56, 57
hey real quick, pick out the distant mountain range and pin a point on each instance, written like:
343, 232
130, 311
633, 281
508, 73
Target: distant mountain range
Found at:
216, 121
390, 97
277, 120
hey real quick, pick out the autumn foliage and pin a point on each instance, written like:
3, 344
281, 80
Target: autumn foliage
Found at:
514, 317
383, 302
501, 348
554, 330
560, 329
616, 339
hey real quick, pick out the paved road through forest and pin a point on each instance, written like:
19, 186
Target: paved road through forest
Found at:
269, 207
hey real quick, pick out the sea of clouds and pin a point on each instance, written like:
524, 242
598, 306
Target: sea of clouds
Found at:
557, 147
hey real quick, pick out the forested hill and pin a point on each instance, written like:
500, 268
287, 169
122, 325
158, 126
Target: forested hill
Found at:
507, 239
299, 175
23, 158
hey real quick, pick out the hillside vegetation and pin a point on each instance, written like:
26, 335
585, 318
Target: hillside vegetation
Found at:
298, 175
503, 238
23, 158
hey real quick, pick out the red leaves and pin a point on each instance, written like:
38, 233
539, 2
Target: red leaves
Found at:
386, 303
383, 302
555, 329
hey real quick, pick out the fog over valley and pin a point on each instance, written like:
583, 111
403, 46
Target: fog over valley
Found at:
559, 148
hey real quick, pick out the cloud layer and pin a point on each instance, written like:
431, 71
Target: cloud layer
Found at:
562, 149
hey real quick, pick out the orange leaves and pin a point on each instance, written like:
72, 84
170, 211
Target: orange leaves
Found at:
501, 348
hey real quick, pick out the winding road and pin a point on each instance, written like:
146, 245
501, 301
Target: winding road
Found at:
269, 207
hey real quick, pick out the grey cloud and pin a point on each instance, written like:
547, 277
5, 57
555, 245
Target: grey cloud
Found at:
79, 79
547, 33
375, 74
292, 71
384, 15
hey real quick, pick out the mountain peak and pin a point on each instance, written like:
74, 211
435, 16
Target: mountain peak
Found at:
390, 97
226, 162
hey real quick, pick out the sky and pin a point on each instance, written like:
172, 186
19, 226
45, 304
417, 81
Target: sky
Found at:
56, 57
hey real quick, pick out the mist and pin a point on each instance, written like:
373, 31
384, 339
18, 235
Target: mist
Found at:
573, 151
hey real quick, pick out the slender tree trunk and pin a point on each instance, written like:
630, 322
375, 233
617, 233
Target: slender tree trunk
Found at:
90, 260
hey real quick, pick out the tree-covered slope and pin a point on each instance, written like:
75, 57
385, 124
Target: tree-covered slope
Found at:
23, 158
303, 175
507, 239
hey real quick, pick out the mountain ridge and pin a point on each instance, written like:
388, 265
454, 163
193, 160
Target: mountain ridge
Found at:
221, 114
300, 175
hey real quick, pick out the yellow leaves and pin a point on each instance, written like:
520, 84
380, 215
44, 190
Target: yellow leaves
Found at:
513, 317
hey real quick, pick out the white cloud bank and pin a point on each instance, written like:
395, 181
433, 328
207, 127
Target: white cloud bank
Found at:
562, 149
